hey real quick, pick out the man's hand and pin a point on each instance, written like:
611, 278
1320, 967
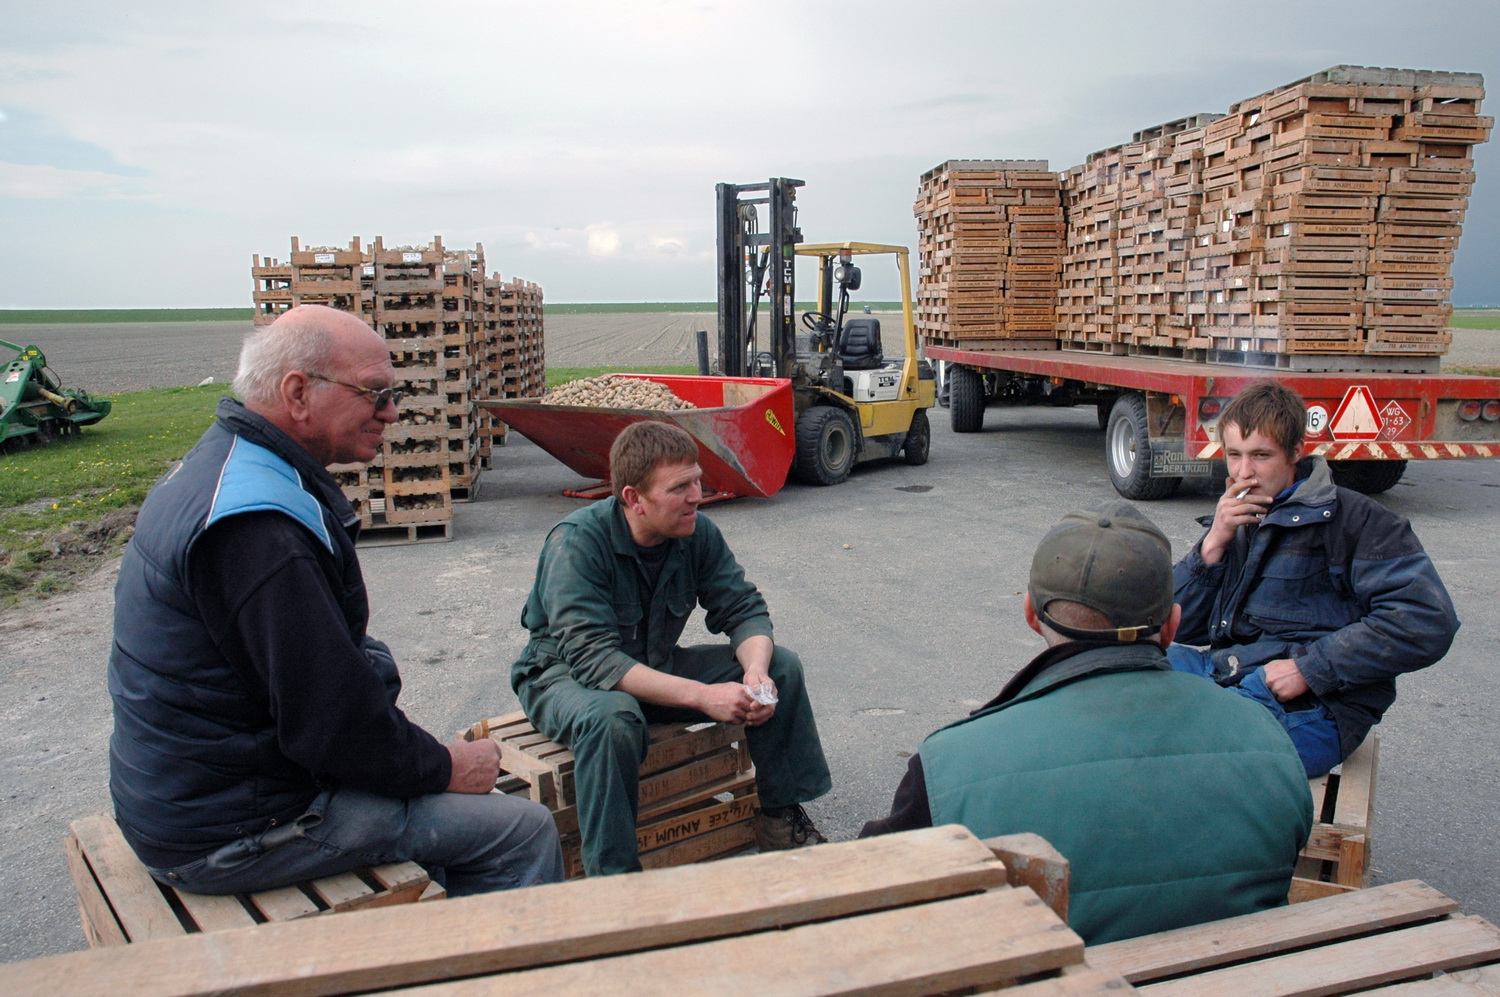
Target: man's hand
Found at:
1237, 507
759, 712
727, 702
476, 766
1284, 679
754, 656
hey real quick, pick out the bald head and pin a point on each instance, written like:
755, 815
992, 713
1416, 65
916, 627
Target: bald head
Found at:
313, 373
305, 338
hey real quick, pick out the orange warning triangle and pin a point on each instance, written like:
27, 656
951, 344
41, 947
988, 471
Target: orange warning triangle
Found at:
1356, 418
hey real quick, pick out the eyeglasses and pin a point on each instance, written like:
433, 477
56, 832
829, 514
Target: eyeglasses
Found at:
380, 396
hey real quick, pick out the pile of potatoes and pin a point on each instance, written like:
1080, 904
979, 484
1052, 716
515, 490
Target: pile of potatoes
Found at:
615, 392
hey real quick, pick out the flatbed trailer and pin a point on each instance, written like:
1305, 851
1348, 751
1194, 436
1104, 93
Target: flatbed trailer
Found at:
1160, 415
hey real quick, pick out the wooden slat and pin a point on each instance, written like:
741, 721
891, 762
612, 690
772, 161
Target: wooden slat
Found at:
1479, 981
1203, 946
1303, 890
285, 904
1073, 981
1345, 967
489, 933
926, 949
1357, 785
94, 912
403, 882
345, 891
136, 899
215, 913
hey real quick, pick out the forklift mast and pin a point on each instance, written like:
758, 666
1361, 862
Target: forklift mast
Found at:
763, 262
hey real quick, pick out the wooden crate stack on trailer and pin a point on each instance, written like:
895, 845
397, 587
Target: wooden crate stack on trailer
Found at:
453, 335
1317, 222
1359, 180
990, 250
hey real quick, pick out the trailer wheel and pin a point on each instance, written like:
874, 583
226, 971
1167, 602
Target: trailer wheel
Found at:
965, 399
825, 445
918, 440
1127, 451
1369, 477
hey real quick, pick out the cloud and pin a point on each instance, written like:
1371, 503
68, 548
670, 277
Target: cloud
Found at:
41, 182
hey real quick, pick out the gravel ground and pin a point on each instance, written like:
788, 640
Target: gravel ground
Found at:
900, 589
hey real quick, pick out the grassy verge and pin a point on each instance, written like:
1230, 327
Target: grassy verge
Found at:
86, 316
69, 505
1486, 321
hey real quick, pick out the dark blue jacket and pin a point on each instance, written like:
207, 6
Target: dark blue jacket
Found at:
242, 678
1333, 580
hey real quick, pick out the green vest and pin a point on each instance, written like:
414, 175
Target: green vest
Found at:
1174, 801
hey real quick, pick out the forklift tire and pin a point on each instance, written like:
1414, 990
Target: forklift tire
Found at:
1127, 451
825, 446
1368, 477
965, 399
918, 440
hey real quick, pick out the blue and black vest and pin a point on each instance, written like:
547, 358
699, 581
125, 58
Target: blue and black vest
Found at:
194, 761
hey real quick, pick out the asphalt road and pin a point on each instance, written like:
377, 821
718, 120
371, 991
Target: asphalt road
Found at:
901, 589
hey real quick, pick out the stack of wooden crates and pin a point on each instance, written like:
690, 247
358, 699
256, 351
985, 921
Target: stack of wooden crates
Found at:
990, 250
455, 335
1317, 221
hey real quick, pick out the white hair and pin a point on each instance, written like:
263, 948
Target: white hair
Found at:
268, 353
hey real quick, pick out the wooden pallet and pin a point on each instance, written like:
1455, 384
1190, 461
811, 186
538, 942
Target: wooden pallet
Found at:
697, 796
1389, 940
924, 912
119, 902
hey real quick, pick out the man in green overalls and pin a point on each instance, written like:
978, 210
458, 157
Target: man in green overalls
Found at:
615, 585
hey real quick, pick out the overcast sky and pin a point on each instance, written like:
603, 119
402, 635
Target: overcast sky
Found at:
149, 148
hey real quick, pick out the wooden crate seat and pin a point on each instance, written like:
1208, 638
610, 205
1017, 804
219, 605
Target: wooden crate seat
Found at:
697, 791
119, 902
1337, 856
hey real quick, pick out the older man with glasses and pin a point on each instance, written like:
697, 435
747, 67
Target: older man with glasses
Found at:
257, 740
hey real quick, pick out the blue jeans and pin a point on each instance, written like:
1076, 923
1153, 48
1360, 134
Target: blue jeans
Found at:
1313, 731
470, 843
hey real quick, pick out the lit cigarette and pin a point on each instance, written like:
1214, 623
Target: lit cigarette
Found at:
1243, 494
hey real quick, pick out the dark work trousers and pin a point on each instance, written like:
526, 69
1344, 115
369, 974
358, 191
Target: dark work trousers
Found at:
606, 731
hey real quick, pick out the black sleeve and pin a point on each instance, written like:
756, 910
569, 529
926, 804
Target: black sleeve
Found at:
263, 586
909, 809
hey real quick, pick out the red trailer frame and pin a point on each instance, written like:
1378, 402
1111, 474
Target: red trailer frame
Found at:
1352, 416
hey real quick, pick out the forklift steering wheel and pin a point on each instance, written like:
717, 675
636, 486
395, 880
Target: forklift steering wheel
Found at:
817, 321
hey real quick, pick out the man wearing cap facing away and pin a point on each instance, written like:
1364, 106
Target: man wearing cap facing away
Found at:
1173, 803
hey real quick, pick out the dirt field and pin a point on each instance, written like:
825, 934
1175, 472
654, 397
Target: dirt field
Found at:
111, 359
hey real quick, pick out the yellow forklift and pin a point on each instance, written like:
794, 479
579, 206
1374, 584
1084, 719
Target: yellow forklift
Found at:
852, 404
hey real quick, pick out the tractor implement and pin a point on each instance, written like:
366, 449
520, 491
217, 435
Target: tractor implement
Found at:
35, 407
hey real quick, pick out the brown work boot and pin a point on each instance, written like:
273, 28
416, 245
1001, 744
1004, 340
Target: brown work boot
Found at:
786, 827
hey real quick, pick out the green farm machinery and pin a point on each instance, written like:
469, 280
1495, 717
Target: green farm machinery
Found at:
34, 406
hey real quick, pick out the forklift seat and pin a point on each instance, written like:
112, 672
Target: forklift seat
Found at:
859, 345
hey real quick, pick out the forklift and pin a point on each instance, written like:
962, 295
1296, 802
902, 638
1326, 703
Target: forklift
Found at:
851, 403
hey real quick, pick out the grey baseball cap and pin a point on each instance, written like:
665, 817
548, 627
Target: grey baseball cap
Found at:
1110, 558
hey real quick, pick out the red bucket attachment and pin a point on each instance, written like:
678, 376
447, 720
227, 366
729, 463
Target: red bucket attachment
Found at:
743, 425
